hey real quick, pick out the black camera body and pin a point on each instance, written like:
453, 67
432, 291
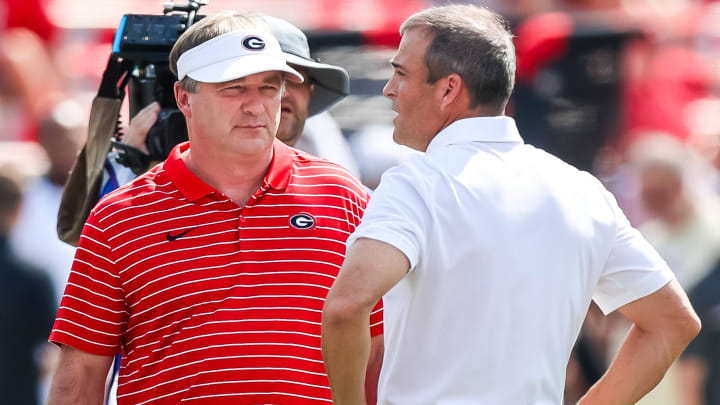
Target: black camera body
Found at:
142, 47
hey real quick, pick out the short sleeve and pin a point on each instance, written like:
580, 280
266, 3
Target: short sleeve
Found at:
633, 268
396, 215
92, 314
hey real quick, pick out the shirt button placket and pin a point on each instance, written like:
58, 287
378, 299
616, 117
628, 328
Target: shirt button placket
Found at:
241, 220
240, 224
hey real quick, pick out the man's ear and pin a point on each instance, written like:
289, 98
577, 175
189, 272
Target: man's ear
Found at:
182, 99
452, 87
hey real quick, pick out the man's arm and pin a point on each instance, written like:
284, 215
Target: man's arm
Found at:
79, 378
664, 324
370, 269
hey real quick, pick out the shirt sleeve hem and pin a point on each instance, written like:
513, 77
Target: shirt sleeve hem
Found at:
640, 290
381, 234
60, 338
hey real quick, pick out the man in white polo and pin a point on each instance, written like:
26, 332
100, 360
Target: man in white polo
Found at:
488, 251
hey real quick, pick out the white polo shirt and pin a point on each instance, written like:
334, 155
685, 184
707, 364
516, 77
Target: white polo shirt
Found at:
507, 245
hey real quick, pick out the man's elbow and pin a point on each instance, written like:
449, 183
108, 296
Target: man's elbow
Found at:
681, 329
343, 309
690, 325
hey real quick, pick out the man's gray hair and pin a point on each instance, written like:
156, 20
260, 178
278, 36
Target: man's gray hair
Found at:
207, 29
473, 42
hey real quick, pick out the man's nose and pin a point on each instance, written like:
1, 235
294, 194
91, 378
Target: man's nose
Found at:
286, 97
389, 89
252, 105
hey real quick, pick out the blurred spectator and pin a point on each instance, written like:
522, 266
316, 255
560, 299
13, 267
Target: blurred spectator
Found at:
685, 223
29, 83
35, 237
27, 308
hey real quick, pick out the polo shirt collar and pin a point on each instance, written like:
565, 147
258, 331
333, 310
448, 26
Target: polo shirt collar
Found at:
189, 185
280, 170
477, 129
192, 188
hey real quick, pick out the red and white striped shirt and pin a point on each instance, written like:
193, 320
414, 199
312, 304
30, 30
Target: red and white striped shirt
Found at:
208, 301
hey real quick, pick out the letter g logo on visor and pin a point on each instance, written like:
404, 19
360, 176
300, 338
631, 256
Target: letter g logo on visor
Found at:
253, 43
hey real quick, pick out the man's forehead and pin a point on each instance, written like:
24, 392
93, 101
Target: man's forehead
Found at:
416, 37
413, 44
264, 77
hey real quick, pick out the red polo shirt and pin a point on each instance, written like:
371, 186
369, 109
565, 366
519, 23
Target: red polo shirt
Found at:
209, 301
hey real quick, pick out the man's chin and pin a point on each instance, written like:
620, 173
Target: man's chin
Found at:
283, 135
288, 134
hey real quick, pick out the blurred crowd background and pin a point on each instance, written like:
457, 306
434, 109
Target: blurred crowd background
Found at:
626, 89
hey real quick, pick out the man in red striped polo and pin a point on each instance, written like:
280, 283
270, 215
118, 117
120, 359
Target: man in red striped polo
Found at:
209, 272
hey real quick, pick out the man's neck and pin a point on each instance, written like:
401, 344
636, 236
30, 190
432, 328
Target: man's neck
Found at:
463, 113
478, 111
237, 177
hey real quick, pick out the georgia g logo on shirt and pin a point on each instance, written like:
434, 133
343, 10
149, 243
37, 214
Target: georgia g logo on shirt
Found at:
302, 221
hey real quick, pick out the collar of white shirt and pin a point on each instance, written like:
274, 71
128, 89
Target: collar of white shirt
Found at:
476, 129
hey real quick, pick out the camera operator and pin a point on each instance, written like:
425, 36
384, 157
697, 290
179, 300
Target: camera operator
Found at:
209, 272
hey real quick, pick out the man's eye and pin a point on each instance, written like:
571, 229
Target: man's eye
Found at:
232, 89
399, 73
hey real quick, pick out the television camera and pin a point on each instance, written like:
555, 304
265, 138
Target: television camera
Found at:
138, 66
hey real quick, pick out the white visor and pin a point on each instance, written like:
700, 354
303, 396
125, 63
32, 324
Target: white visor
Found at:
234, 55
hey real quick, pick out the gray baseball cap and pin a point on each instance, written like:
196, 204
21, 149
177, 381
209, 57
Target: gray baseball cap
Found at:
332, 83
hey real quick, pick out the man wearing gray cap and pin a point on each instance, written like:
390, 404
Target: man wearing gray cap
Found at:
209, 272
324, 86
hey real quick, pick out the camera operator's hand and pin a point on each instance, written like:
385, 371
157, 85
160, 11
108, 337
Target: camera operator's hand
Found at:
140, 125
